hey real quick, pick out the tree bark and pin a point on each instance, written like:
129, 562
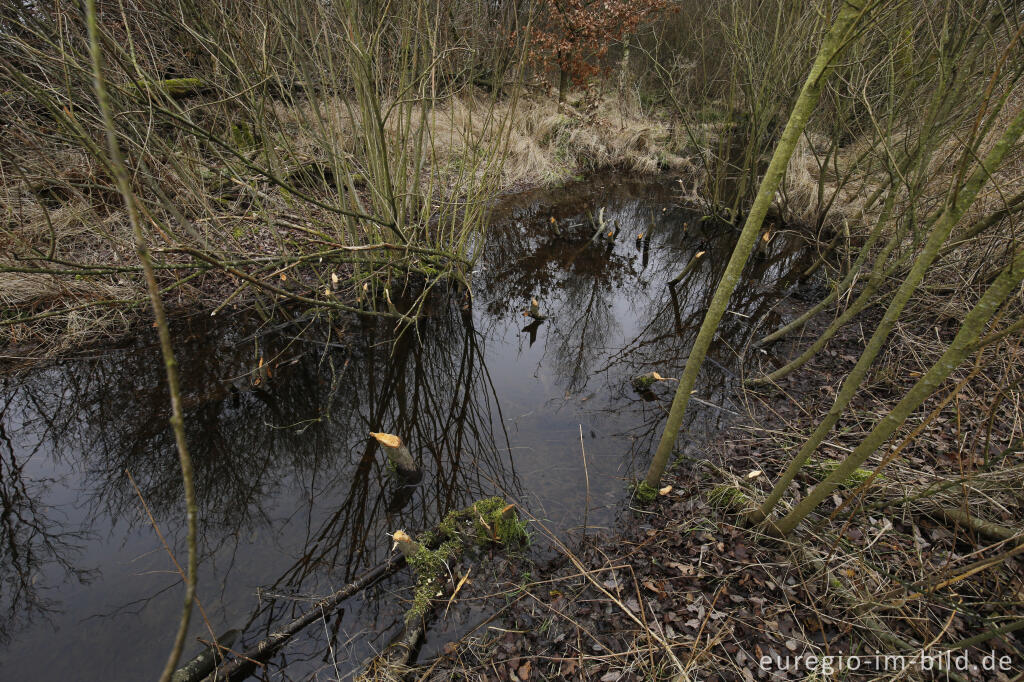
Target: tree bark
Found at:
398, 454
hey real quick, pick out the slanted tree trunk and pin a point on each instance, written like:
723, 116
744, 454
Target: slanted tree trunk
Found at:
835, 41
177, 420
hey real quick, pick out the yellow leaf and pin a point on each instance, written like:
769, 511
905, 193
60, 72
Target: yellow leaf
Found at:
457, 588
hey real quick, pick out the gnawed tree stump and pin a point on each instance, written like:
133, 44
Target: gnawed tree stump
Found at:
694, 261
405, 544
534, 311
644, 382
399, 456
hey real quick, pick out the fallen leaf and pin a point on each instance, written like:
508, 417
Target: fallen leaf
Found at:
682, 568
650, 585
524, 671
457, 588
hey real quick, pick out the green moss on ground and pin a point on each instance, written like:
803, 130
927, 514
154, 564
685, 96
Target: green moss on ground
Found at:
645, 493
727, 497
859, 475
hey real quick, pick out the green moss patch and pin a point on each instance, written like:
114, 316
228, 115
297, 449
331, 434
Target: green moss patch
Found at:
859, 475
483, 523
727, 497
645, 493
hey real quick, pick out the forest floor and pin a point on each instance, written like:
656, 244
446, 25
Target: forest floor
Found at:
681, 590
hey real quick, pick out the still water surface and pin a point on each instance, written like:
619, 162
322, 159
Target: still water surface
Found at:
294, 497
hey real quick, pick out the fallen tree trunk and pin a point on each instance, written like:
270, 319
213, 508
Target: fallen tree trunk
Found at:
244, 665
203, 664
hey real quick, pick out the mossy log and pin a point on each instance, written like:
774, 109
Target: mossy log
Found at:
989, 529
398, 455
484, 523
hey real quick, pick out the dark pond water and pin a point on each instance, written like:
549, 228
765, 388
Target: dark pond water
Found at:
294, 498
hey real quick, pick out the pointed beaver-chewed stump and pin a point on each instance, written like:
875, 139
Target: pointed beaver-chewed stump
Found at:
534, 311
764, 244
399, 456
689, 267
405, 544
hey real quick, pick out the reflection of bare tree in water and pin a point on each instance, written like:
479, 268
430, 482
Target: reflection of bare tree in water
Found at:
35, 547
613, 315
671, 317
278, 422
292, 433
437, 395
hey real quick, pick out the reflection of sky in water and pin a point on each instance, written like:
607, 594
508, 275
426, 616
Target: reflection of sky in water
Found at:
294, 499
